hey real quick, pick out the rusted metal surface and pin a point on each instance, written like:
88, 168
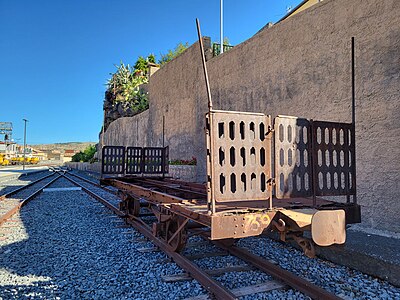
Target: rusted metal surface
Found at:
94, 195
144, 192
134, 160
239, 156
174, 189
231, 219
2, 197
202, 277
293, 172
167, 245
113, 160
240, 225
155, 160
94, 183
333, 155
291, 279
118, 160
17, 208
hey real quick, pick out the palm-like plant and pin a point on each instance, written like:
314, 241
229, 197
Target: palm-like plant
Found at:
124, 86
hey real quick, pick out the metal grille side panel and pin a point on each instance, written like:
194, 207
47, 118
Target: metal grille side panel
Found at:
333, 154
166, 160
113, 160
293, 169
240, 151
153, 161
134, 160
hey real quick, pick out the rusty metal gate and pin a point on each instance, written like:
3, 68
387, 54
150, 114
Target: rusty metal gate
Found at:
292, 157
119, 160
333, 153
311, 158
134, 160
113, 160
239, 156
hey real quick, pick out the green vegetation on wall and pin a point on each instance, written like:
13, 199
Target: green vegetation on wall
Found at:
124, 86
171, 54
125, 92
86, 156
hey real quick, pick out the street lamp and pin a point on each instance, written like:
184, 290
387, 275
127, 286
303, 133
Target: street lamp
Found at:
23, 163
221, 26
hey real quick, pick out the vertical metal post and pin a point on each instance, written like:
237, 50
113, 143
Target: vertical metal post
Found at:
203, 58
101, 157
314, 160
102, 131
221, 26
23, 163
164, 162
163, 131
210, 197
353, 117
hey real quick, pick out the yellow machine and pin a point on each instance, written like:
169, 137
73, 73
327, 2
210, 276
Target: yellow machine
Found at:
28, 160
3, 160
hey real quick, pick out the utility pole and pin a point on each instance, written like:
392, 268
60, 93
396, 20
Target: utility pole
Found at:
23, 163
221, 26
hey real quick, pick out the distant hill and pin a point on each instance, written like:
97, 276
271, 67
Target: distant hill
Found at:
77, 146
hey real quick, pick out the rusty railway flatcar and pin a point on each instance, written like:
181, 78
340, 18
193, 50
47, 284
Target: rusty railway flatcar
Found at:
262, 174
286, 174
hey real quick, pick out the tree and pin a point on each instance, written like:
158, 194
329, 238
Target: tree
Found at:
86, 155
171, 54
141, 65
151, 58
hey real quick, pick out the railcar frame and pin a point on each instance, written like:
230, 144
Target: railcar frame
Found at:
262, 174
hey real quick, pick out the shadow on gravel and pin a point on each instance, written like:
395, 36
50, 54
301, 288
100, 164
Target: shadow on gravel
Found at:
71, 247
8, 185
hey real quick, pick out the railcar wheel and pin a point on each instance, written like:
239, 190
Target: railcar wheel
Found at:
178, 241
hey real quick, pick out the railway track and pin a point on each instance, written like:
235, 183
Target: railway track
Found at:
212, 286
12, 202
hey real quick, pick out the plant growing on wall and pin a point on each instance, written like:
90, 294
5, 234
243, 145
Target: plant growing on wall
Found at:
191, 162
124, 86
171, 54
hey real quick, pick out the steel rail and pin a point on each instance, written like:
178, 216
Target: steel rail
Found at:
17, 208
2, 197
211, 285
296, 282
290, 279
97, 197
167, 186
94, 183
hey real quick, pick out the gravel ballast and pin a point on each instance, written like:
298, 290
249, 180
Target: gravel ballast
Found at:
73, 248
9, 184
70, 247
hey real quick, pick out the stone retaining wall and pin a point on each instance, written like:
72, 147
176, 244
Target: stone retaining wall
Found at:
300, 67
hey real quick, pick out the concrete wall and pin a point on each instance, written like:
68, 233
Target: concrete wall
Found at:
129, 131
298, 67
84, 166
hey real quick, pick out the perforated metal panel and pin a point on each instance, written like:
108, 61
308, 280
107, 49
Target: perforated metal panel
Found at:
134, 160
150, 160
113, 160
166, 160
239, 156
333, 153
154, 160
293, 169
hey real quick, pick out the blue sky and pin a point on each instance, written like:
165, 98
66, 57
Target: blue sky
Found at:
55, 56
